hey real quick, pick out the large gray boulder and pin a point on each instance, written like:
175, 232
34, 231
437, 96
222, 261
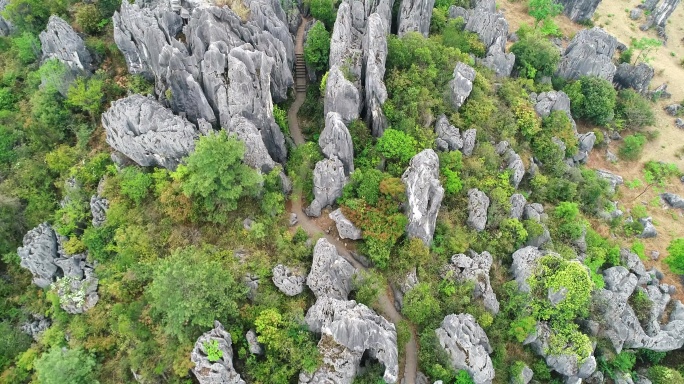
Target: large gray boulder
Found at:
518, 203
77, 292
498, 60
330, 275
478, 204
375, 55
448, 136
352, 329
638, 77
524, 264
613, 179
467, 346
6, 27
590, 53
547, 102
36, 326
215, 372
335, 140
424, 193
579, 10
345, 228
341, 96
660, 13
256, 153
673, 200
59, 41
515, 164
98, 209
329, 179
147, 132
469, 137
474, 268
288, 281
415, 16
461, 85
38, 254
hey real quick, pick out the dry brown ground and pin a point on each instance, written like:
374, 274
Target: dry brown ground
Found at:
668, 146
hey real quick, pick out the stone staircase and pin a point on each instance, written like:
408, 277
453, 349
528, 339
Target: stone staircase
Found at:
300, 73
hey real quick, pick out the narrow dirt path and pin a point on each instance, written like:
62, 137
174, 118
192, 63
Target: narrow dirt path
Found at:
386, 301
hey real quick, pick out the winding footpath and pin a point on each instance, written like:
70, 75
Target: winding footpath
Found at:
386, 301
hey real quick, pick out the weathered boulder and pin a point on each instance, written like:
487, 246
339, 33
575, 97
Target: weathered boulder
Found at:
474, 268
288, 281
38, 254
59, 41
415, 16
469, 137
613, 179
499, 61
636, 13
478, 204
674, 201
586, 145
679, 123
674, 109
147, 132
329, 180
638, 77
98, 208
6, 27
448, 136
461, 85
467, 346
375, 55
524, 376
534, 211
547, 102
567, 363
254, 346
490, 26
220, 371
36, 326
330, 274
524, 264
403, 287
350, 329
659, 13
579, 10
256, 153
424, 193
345, 228
515, 164
335, 140
341, 96
590, 53
77, 292
649, 229
518, 203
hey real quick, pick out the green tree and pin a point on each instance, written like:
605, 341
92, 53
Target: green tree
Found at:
193, 287
535, 56
317, 47
89, 18
215, 177
86, 95
26, 47
644, 46
632, 146
32, 15
420, 304
397, 146
324, 10
543, 10
61, 365
135, 184
634, 110
676, 256
592, 98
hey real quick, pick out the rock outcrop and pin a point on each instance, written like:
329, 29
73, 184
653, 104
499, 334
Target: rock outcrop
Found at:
335, 140
461, 85
59, 41
375, 55
6, 27
345, 228
467, 346
214, 372
638, 77
515, 164
36, 326
330, 274
547, 102
674, 201
424, 193
448, 136
518, 203
98, 209
660, 12
288, 281
147, 132
567, 364
613, 179
474, 268
579, 10
341, 96
329, 179
38, 255
415, 16
256, 153
590, 53
478, 204
469, 137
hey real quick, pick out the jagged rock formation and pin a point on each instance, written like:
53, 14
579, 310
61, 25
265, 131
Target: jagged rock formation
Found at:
59, 41
254, 347
330, 274
518, 203
547, 102
415, 16
467, 346
424, 193
613, 179
256, 153
461, 85
70, 275
341, 96
375, 55
335, 140
37, 326
288, 281
579, 10
6, 27
674, 201
586, 145
98, 208
590, 53
345, 228
566, 364
148, 133
638, 77
524, 264
448, 136
660, 12
329, 179
221, 371
478, 204
517, 167
469, 137
474, 268
620, 324
649, 229
524, 377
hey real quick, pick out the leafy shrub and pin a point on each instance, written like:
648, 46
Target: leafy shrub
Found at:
324, 10
61, 365
634, 109
467, 42
32, 15
280, 116
592, 98
214, 354
450, 163
89, 19
420, 304
535, 56
663, 375
528, 122
632, 147
135, 184
26, 47
675, 259
397, 146
86, 95
317, 47
12, 344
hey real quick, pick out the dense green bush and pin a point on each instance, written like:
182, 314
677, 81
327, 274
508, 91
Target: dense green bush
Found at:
675, 259
32, 15
455, 36
592, 98
324, 10
634, 110
317, 47
89, 19
61, 365
535, 56
663, 375
632, 147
